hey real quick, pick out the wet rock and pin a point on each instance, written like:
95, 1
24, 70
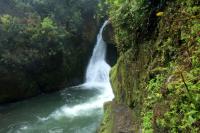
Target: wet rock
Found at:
108, 36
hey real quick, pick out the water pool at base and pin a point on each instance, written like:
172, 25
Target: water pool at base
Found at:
68, 111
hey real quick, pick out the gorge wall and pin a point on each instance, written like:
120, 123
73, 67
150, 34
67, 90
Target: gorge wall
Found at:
156, 78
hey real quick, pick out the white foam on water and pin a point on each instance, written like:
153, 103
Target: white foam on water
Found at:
97, 76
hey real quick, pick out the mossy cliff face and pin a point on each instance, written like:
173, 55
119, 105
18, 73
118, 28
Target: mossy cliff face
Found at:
156, 78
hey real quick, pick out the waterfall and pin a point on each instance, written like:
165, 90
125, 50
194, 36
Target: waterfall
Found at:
97, 77
98, 69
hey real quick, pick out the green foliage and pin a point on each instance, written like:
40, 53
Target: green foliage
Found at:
68, 14
44, 25
153, 90
184, 105
147, 122
42, 42
181, 88
153, 96
129, 19
48, 23
106, 125
195, 29
39, 35
171, 99
6, 21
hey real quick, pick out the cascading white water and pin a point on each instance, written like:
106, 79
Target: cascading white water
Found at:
98, 69
97, 77
97, 74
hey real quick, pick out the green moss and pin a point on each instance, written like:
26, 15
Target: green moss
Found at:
147, 122
106, 125
158, 77
124, 86
113, 78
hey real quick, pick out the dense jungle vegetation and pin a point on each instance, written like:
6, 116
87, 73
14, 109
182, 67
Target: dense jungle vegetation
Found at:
42, 43
157, 76
45, 46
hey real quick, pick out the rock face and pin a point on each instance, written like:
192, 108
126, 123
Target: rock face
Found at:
108, 37
108, 34
43, 56
151, 76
